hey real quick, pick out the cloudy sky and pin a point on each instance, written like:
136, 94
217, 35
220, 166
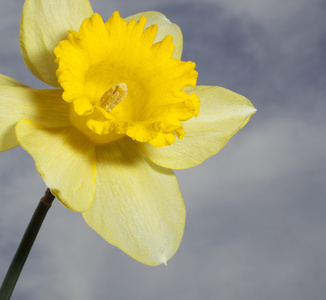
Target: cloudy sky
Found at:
256, 226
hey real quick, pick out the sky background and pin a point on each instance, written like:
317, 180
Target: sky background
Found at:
256, 226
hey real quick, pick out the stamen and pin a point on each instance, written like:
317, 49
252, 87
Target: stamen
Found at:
113, 96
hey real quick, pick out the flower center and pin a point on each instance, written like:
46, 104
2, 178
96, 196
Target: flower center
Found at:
113, 96
148, 104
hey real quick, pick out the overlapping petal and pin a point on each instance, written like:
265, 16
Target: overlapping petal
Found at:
138, 206
222, 114
165, 27
65, 159
18, 101
43, 25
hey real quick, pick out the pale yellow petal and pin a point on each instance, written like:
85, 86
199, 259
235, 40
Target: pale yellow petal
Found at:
44, 23
165, 27
222, 113
65, 159
18, 101
138, 206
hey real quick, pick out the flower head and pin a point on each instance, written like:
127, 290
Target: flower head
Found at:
124, 111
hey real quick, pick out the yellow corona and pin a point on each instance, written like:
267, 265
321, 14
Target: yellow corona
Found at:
121, 83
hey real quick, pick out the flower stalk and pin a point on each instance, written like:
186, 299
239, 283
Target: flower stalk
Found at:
25, 246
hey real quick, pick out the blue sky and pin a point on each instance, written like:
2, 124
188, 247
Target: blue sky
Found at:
255, 212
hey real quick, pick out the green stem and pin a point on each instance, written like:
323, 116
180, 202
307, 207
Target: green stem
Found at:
25, 246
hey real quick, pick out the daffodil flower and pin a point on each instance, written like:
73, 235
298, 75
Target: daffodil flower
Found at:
123, 111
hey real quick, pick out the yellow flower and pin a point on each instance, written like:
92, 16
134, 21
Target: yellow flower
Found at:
122, 113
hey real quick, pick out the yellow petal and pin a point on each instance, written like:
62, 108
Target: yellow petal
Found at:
222, 113
65, 159
138, 206
44, 23
112, 74
18, 101
165, 27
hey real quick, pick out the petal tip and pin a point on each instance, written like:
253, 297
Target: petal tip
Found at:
164, 260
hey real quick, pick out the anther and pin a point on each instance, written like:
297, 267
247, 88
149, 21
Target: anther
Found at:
114, 96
